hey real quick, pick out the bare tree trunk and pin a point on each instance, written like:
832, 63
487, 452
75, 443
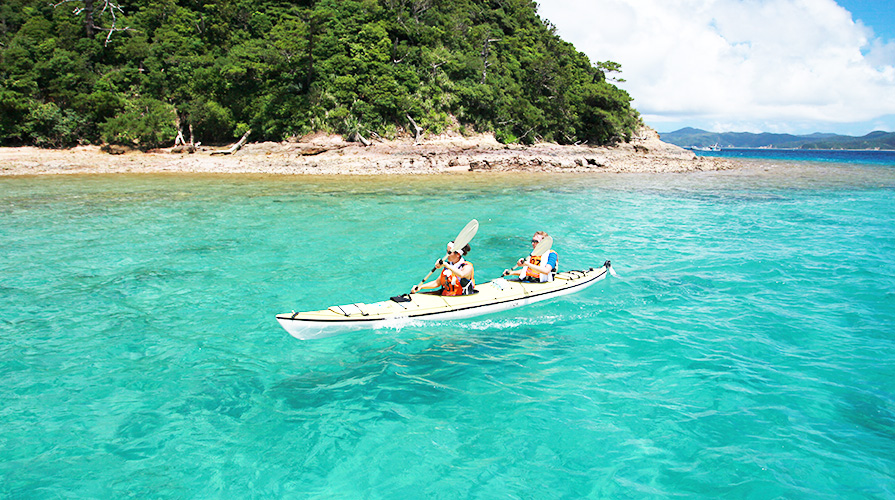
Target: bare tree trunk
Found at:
180, 144
88, 17
178, 139
309, 74
486, 50
236, 146
363, 140
419, 131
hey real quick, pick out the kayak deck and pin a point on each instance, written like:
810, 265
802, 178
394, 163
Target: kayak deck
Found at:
497, 295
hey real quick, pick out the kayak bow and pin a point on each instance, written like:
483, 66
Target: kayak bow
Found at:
493, 296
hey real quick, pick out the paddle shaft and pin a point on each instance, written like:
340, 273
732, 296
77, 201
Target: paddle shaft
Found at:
433, 269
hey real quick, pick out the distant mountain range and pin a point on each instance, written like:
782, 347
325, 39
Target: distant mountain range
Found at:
694, 137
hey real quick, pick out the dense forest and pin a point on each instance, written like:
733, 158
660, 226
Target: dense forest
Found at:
140, 71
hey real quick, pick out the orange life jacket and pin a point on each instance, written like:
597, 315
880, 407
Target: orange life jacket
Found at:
452, 284
531, 273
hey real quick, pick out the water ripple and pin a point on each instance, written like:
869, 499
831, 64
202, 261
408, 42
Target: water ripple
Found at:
742, 353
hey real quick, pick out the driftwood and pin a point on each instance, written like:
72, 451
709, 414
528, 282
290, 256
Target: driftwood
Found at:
236, 146
363, 140
313, 150
185, 148
116, 149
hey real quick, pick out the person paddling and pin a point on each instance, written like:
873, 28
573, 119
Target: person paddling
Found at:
457, 276
539, 266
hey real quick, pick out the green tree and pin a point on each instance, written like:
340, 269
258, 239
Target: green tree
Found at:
146, 123
97, 70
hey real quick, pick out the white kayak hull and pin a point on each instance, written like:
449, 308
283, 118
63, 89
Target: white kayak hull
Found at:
493, 296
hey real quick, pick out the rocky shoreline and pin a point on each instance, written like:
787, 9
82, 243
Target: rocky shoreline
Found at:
322, 154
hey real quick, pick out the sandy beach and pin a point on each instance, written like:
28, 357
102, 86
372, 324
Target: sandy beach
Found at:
322, 154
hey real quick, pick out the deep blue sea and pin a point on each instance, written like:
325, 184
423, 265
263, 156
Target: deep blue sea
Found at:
852, 157
747, 349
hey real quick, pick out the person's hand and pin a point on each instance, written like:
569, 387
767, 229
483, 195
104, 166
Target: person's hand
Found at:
440, 263
521, 261
506, 272
415, 289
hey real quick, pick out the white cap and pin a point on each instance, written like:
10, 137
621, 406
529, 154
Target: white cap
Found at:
450, 246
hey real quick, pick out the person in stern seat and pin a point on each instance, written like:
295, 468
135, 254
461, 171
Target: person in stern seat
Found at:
536, 268
457, 276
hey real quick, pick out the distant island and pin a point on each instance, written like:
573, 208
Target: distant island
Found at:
696, 138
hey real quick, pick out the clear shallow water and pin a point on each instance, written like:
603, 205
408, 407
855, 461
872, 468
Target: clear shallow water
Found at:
745, 353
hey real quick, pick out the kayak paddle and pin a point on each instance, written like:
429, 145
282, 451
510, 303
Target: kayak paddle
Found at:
460, 241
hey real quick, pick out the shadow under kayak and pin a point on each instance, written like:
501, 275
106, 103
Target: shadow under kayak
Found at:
492, 296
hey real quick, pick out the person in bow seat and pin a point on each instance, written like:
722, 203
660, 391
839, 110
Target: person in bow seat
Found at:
457, 276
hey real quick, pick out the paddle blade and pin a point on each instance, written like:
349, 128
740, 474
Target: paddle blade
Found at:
542, 247
466, 235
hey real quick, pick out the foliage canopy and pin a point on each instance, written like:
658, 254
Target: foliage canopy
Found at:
72, 74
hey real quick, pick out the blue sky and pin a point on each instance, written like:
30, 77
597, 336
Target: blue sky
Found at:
878, 14
785, 66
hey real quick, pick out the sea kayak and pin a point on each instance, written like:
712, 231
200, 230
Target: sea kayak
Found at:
493, 296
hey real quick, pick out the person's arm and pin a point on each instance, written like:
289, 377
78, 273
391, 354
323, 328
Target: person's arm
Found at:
551, 261
547, 265
430, 285
427, 286
519, 272
461, 272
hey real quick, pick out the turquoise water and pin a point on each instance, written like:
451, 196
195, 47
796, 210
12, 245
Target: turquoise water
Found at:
745, 352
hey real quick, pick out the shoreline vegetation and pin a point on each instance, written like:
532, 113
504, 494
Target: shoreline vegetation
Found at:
149, 74
327, 154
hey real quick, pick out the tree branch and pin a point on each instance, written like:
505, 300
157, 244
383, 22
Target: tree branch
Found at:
89, 21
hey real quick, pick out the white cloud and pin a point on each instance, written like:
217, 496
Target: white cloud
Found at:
739, 64
881, 53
